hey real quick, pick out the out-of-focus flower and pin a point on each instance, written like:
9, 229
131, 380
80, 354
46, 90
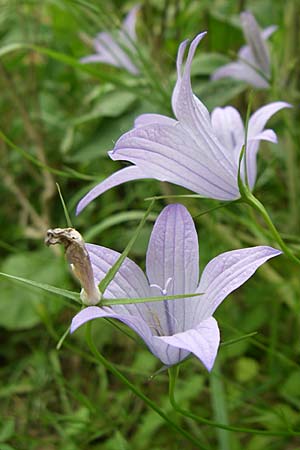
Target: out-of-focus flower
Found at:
196, 151
117, 49
173, 328
253, 65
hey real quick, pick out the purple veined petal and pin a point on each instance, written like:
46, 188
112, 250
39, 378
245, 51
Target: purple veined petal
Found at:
194, 116
150, 119
255, 41
259, 119
246, 56
107, 45
170, 153
97, 58
130, 21
121, 176
172, 263
229, 128
166, 353
241, 71
225, 273
203, 341
251, 153
129, 282
266, 135
267, 32
179, 64
183, 110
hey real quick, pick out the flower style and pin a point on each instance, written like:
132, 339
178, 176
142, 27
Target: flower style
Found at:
117, 51
253, 65
196, 151
173, 328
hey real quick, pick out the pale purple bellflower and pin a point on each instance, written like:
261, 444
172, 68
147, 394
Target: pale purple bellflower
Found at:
253, 65
116, 50
197, 151
172, 329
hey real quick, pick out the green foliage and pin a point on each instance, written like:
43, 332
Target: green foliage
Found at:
22, 308
58, 120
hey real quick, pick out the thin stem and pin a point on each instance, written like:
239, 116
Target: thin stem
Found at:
251, 200
173, 374
100, 358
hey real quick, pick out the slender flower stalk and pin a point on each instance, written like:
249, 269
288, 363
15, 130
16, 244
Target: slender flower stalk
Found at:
253, 65
173, 329
198, 151
150, 403
173, 375
117, 50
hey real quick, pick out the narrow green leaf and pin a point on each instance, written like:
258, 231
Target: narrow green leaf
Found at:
115, 220
104, 302
114, 269
67, 216
129, 301
46, 287
31, 158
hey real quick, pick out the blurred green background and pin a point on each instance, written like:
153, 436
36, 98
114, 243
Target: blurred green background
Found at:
58, 113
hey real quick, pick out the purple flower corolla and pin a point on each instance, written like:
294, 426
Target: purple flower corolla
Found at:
173, 328
196, 151
116, 51
253, 65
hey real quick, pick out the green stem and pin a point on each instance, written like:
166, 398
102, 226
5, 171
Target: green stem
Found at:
173, 374
100, 358
251, 200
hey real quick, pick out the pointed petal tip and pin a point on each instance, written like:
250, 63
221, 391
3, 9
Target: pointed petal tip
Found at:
79, 208
198, 38
85, 315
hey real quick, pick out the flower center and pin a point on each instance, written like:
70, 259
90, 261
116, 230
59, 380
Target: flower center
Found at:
163, 290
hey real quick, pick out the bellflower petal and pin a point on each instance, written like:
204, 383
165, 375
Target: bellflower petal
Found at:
168, 354
259, 119
173, 255
169, 153
229, 128
225, 273
203, 341
130, 22
121, 176
111, 49
197, 151
253, 65
240, 71
150, 119
173, 328
129, 282
256, 133
255, 41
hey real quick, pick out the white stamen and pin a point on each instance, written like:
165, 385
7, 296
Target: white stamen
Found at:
165, 289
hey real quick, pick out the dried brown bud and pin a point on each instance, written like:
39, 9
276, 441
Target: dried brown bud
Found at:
79, 260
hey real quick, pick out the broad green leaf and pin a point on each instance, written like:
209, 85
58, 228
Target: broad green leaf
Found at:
218, 92
116, 219
20, 308
111, 104
207, 63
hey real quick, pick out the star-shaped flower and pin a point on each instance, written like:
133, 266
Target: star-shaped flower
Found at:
196, 151
116, 50
253, 65
173, 328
